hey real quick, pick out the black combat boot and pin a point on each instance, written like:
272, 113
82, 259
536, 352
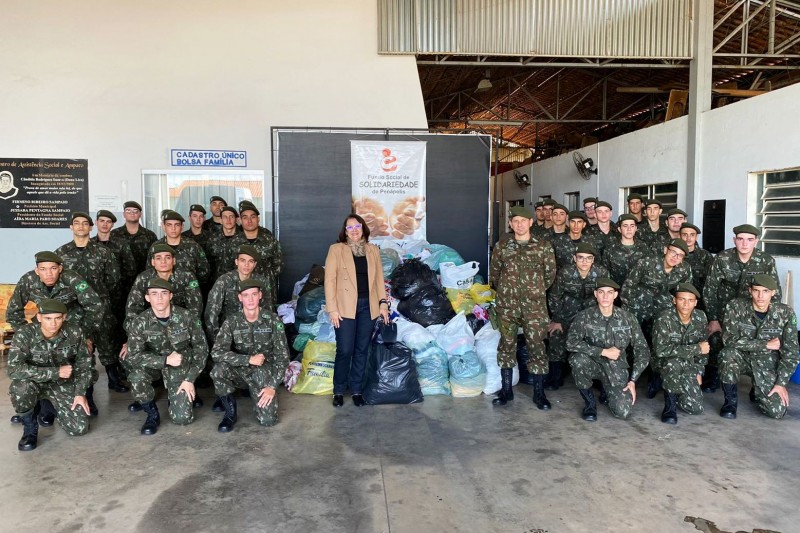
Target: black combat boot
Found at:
153, 419
670, 413
603, 394
506, 393
710, 379
229, 418
218, 407
47, 413
728, 409
197, 403
555, 378
30, 430
135, 407
590, 407
752, 394
90, 400
16, 419
655, 385
114, 381
539, 398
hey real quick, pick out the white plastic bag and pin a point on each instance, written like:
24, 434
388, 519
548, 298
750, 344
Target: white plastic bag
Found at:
413, 335
458, 277
456, 337
486, 342
326, 332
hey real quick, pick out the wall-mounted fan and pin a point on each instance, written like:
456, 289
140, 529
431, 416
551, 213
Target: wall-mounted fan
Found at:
584, 165
522, 180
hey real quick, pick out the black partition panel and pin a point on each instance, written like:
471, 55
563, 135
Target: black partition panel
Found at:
313, 192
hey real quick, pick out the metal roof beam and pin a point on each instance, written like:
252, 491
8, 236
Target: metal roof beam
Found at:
540, 64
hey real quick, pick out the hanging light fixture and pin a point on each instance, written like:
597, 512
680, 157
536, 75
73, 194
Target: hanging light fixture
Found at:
485, 84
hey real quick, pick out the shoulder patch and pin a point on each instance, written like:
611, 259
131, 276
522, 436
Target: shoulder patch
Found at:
194, 284
82, 286
279, 326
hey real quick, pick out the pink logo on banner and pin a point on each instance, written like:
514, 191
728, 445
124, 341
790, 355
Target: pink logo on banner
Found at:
389, 162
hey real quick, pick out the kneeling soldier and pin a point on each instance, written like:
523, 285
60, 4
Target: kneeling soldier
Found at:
165, 342
680, 345
250, 352
598, 340
760, 339
49, 359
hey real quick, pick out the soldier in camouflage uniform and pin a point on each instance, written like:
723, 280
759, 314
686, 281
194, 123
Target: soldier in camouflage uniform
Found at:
49, 359
262, 239
137, 236
539, 210
572, 291
698, 259
651, 231
189, 255
622, 254
559, 217
565, 244
216, 205
675, 219
221, 251
635, 205
605, 231
104, 223
196, 232
250, 352
760, 337
99, 267
165, 342
521, 270
589, 206
680, 343
597, 341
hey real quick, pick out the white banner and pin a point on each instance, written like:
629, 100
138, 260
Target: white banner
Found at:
389, 187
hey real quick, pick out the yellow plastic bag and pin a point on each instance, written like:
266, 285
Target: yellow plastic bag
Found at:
316, 377
481, 293
461, 300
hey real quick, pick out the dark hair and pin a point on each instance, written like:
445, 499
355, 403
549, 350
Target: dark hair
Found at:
343, 231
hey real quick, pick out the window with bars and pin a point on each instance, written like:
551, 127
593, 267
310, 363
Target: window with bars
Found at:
572, 201
778, 212
667, 193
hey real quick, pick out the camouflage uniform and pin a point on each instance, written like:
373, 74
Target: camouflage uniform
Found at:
201, 239
140, 243
270, 251
675, 345
602, 240
564, 248
127, 264
222, 253
223, 300
521, 272
186, 294
237, 341
33, 365
646, 292
745, 337
150, 342
699, 261
655, 240
569, 294
619, 258
189, 256
213, 227
588, 336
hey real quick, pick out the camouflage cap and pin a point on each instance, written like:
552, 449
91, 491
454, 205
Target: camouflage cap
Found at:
653, 201
764, 280
172, 215
231, 209
747, 228
626, 216
158, 283
548, 202
48, 257
590, 200
607, 282
562, 207
676, 211
688, 225
679, 243
131, 203
603, 203
197, 207
585, 248
577, 214
635, 196
218, 199
161, 247
537, 205
249, 249
48, 306
247, 205
83, 214
107, 214
519, 211
250, 284
686, 287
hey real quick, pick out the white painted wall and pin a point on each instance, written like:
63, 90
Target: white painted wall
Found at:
121, 83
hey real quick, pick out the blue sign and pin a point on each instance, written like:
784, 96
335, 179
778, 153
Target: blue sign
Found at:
208, 158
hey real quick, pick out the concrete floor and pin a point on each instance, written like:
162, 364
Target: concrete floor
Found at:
444, 465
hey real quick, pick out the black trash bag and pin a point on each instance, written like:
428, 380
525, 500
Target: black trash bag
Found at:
522, 361
392, 375
309, 305
410, 277
475, 323
428, 306
316, 278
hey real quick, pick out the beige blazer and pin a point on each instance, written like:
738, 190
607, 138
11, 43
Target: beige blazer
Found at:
341, 293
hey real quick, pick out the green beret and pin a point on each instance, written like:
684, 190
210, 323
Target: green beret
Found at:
602, 203
561, 207
197, 207
107, 214
687, 225
678, 243
676, 211
250, 284
626, 216
249, 249
160, 247
548, 201
747, 228
635, 196
607, 282
763, 280
48, 257
231, 209
577, 214
218, 199
131, 203
47, 306
591, 199
585, 248
653, 201
82, 214
169, 214
537, 205
158, 283
686, 287
519, 211
248, 206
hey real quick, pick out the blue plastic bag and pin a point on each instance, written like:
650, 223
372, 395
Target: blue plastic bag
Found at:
432, 370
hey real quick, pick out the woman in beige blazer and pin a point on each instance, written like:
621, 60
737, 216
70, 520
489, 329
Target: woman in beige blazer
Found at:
355, 296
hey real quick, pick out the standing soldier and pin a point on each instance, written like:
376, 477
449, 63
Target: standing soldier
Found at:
651, 231
589, 205
572, 291
165, 342
139, 237
622, 254
605, 230
222, 254
547, 209
196, 232
565, 244
760, 337
189, 255
48, 360
99, 267
697, 258
539, 210
559, 218
597, 341
216, 204
521, 270
105, 221
680, 344
635, 206
250, 352
675, 219
264, 242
